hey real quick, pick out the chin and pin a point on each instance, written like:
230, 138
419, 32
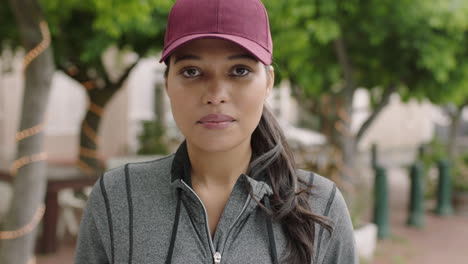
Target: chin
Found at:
216, 144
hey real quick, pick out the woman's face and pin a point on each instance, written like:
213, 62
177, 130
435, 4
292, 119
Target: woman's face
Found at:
217, 92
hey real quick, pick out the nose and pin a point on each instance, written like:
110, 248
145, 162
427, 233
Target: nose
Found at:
216, 93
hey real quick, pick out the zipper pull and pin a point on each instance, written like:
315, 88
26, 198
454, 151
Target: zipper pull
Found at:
217, 258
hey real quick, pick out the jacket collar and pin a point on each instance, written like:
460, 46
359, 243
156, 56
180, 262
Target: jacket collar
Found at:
181, 168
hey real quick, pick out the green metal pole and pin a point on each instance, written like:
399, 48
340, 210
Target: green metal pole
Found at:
381, 206
374, 155
421, 150
444, 190
416, 205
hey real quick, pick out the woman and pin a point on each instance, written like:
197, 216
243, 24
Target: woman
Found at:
231, 192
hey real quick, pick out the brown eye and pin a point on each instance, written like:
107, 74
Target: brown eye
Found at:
191, 72
240, 71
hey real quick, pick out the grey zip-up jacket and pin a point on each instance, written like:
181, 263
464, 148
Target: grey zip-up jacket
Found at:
147, 213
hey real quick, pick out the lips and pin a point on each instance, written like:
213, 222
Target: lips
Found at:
216, 118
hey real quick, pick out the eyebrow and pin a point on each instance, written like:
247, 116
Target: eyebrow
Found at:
186, 57
233, 57
242, 56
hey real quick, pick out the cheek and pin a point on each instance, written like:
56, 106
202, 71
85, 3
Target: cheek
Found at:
251, 107
180, 106
181, 111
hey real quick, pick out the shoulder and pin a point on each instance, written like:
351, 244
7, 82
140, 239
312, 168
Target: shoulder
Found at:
325, 197
324, 194
115, 182
158, 168
327, 200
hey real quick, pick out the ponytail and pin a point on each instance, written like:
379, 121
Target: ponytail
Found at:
290, 207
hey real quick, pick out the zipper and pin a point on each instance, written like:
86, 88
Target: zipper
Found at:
216, 255
235, 222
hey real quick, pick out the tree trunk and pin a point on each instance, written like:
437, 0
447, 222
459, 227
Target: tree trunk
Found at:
98, 99
345, 139
30, 182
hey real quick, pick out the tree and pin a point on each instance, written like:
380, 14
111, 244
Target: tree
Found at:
328, 49
30, 182
81, 32
446, 57
452, 93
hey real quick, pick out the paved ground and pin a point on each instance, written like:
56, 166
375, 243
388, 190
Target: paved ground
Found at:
63, 256
442, 240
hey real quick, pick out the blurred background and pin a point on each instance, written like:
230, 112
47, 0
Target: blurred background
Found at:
370, 93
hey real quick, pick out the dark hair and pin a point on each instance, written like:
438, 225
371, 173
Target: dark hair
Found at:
290, 202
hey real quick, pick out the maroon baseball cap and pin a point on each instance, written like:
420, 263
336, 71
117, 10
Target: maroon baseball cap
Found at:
244, 22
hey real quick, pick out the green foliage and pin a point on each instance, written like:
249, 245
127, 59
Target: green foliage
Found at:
83, 29
460, 174
433, 152
420, 45
8, 34
152, 139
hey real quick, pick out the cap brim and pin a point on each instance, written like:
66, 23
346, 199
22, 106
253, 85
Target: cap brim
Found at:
256, 50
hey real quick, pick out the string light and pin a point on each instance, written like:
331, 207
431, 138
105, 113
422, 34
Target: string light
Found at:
89, 132
29, 132
89, 153
26, 133
28, 228
89, 85
40, 48
96, 109
23, 161
85, 167
92, 135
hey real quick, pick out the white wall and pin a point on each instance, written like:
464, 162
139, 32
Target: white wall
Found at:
399, 125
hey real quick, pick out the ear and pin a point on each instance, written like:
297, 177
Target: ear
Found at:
271, 80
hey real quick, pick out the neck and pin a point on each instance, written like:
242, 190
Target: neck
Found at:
219, 168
